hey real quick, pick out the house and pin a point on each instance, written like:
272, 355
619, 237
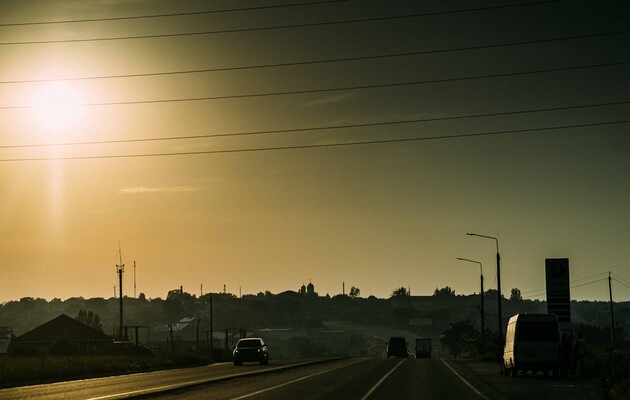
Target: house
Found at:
62, 328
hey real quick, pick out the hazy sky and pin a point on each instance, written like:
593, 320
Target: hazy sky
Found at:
537, 95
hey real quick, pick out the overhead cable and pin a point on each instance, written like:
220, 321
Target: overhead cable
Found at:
325, 145
338, 89
277, 27
322, 128
322, 61
621, 283
169, 15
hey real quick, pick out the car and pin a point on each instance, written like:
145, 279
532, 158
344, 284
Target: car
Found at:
250, 350
397, 347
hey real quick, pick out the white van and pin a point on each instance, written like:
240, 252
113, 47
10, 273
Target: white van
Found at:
532, 343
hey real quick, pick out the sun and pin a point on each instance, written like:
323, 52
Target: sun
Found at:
57, 106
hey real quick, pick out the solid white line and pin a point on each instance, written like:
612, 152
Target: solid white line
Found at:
381, 381
474, 389
293, 381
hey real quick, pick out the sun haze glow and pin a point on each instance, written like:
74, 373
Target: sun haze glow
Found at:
57, 106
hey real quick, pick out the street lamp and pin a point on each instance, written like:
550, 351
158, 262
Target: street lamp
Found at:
483, 326
498, 280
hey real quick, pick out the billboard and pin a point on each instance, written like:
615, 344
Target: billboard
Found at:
558, 291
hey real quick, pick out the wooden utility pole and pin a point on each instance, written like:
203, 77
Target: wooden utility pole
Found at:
134, 279
612, 314
120, 268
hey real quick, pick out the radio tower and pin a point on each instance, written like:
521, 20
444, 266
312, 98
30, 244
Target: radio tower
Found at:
120, 268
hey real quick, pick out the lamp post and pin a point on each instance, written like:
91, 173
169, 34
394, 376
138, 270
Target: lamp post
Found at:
498, 280
483, 326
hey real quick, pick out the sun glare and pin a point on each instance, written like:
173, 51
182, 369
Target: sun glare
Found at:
57, 106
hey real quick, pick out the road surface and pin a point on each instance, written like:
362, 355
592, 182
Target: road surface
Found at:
350, 378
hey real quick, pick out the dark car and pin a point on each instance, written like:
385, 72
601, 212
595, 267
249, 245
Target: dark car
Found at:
397, 347
250, 349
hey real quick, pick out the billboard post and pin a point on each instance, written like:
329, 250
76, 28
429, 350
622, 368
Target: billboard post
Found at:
559, 291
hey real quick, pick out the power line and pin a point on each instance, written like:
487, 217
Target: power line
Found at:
590, 277
324, 61
320, 128
344, 88
589, 283
278, 27
168, 15
323, 145
572, 287
620, 277
621, 283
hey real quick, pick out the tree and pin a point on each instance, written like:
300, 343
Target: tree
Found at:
401, 291
354, 292
445, 291
90, 319
461, 338
515, 295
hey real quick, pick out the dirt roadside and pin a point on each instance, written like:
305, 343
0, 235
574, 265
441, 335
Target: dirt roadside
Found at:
485, 376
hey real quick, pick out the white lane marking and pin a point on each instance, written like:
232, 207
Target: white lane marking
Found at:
474, 389
368, 394
184, 384
293, 381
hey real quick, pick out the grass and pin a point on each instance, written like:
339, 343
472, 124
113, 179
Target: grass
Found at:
26, 370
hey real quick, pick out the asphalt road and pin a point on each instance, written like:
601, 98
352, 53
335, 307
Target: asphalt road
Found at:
351, 379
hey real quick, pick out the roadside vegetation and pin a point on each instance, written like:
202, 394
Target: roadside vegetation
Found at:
18, 370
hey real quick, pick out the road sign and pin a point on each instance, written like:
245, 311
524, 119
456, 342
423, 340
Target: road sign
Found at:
559, 291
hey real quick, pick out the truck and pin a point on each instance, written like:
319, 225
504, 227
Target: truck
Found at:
423, 348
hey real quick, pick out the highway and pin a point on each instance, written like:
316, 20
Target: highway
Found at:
348, 378
351, 379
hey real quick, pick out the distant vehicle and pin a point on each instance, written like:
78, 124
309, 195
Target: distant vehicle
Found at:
423, 348
250, 349
532, 343
397, 347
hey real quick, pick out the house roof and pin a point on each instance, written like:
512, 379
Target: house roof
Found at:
63, 327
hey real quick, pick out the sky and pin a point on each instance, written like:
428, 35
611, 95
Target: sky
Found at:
262, 145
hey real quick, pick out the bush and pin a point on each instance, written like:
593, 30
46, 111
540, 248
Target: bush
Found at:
616, 373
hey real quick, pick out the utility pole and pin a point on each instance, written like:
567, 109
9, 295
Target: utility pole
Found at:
612, 314
134, 280
120, 268
211, 332
197, 342
172, 346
